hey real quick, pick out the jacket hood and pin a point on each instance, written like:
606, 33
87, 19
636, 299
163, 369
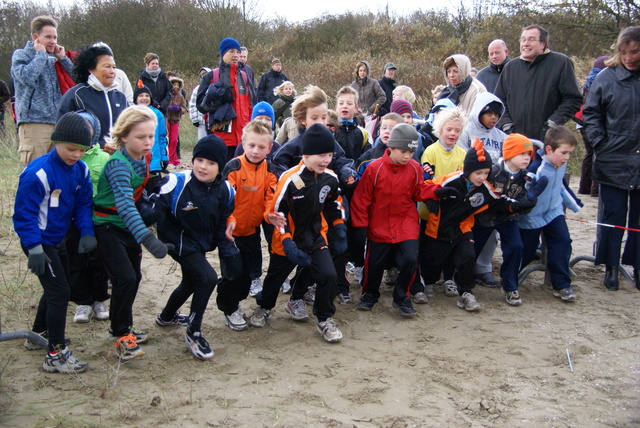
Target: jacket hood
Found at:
177, 79
366, 64
464, 66
482, 100
206, 69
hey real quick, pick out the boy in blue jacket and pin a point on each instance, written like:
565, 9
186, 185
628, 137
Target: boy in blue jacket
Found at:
52, 190
193, 208
548, 215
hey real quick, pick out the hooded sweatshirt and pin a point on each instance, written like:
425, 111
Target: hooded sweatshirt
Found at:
369, 90
493, 138
464, 94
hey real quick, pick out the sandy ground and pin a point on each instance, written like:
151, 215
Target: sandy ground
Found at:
503, 367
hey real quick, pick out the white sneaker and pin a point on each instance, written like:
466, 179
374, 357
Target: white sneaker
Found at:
329, 330
236, 321
256, 287
286, 286
100, 311
83, 314
357, 274
450, 288
468, 302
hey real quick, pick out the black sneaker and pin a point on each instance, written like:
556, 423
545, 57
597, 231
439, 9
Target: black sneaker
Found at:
366, 302
406, 308
198, 345
178, 320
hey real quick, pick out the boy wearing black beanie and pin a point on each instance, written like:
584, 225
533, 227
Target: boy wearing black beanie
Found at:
193, 207
54, 189
451, 220
305, 204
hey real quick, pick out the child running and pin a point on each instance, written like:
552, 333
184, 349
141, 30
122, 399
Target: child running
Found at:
193, 208
308, 198
119, 227
254, 181
385, 204
54, 189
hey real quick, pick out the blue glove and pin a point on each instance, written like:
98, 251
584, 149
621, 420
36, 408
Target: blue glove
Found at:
339, 244
87, 244
537, 188
295, 254
38, 260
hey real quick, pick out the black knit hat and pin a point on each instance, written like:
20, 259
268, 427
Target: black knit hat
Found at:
72, 129
211, 147
476, 158
141, 89
317, 140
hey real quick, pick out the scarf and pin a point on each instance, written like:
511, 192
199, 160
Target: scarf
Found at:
153, 73
454, 92
98, 86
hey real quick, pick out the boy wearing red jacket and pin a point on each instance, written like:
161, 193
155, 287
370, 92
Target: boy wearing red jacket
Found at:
384, 203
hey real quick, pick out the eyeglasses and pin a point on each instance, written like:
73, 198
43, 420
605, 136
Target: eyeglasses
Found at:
530, 39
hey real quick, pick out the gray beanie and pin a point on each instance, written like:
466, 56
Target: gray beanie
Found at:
404, 137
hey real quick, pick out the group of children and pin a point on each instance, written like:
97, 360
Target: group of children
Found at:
324, 198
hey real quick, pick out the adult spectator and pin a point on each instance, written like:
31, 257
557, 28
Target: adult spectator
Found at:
154, 78
388, 84
271, 80
462, 88
244, 55
587, 186
98, 93
370, 94
539, 88
612, 119
225, 95
36, 70
124, 85
5, 95
498, 58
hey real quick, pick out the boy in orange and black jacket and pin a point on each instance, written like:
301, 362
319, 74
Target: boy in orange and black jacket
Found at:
451, 220
306, 203
254, 180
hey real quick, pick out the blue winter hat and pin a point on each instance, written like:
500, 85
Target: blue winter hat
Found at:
228, 44
263, 108
95, 124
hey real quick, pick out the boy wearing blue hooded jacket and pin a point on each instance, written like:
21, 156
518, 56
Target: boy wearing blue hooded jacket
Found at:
548, 215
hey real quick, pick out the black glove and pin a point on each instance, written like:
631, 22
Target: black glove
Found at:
146, 209
295, 254
448, 192
537, 188
339, 244
196, 124
524, 205
228, 96
231, 267
38, 260
87, 244
156, 247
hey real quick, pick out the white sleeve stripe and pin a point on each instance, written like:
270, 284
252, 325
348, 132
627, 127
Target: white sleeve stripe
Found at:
43, 212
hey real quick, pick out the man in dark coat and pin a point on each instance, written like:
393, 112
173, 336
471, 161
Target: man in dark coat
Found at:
498, 58
388, 84
271, 80
539, 88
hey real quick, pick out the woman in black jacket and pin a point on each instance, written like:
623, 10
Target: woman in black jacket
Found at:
612, 121
154, 78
